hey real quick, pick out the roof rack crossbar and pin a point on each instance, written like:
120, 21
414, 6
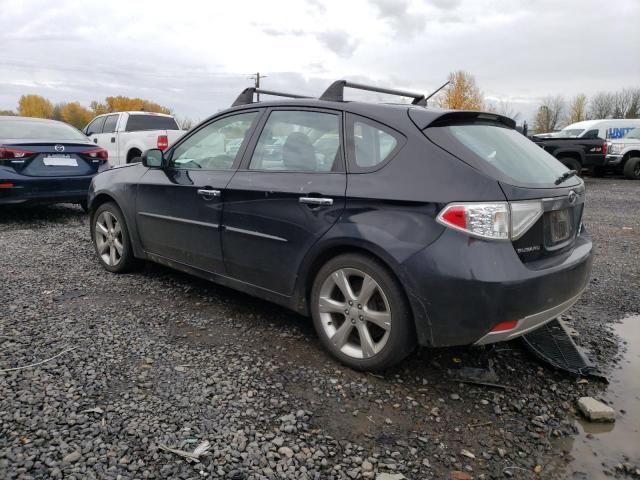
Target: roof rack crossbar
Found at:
246, 97
335, 92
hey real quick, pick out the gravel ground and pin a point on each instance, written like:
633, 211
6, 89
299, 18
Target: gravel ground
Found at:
157, 358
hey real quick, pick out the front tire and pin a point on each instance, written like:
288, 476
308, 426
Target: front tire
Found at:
632, 168
111, 239
361, 314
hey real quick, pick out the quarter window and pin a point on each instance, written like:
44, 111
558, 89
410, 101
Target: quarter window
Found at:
373, 145
298, 141
215, 146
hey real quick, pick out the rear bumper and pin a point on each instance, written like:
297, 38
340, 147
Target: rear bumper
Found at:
16, 188
460, 288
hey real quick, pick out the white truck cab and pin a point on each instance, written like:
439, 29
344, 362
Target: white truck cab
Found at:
127, 134
624, 154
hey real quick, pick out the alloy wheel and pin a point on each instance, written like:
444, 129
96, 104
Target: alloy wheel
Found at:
355, 313
108, 235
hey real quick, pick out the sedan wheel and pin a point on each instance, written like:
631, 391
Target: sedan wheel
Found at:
111, 239
108, 234
361, 314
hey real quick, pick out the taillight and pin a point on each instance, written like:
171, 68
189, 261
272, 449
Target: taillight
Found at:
99, 153
493, 221
163, 142
504, 326
7, 153
605, 147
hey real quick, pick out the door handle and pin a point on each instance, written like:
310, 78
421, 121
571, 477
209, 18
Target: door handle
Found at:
316, 201
113, 139
95, 140
208, 194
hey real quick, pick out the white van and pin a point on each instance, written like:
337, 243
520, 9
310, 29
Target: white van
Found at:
606, 129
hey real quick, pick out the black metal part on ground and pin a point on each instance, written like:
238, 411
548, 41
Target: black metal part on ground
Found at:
553, 344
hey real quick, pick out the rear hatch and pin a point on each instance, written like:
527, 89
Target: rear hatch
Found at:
532, 180
52, 159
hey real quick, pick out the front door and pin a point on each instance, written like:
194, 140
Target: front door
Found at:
179, 208
287, 194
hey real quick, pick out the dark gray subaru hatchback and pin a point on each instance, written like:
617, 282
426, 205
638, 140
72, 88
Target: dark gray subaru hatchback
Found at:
390, 225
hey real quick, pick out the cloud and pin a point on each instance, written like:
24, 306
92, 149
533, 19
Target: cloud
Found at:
445, 4
397, 14
338, 42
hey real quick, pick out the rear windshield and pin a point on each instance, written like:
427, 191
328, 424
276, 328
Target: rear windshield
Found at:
500, 152
150, 122
38, 130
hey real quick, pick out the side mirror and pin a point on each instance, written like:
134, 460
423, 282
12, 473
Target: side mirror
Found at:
153, 158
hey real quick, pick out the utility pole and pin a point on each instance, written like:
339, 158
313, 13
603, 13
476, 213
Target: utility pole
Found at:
257, 78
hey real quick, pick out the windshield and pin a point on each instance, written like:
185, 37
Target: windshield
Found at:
634, 134
569, 133
501, 152
23, 129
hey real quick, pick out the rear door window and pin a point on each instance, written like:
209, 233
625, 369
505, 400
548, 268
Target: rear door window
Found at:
137, 123
299, 141
501, 152
110, 124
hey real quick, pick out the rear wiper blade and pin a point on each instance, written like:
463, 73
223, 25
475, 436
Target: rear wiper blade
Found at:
565, 176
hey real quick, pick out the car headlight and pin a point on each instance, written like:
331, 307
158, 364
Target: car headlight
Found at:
616, 147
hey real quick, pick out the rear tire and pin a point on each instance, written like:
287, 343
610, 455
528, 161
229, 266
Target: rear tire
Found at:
632, 168
369, 327
572, 164
111, 239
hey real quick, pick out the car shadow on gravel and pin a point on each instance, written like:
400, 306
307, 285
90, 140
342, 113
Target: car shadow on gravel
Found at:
13, 217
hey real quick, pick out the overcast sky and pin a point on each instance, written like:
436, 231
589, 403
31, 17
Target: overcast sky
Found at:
196, 56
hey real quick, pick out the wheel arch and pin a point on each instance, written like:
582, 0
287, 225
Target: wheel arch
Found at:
130, 153
322, 254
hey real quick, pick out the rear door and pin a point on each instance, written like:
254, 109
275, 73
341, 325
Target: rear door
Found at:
107, 137
179, 208
289, 191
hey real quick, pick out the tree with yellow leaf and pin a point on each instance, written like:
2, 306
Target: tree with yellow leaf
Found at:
123, 104
462, 93
75, 114
35, 106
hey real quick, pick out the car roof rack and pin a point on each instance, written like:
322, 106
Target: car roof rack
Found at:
246, 97
335, 92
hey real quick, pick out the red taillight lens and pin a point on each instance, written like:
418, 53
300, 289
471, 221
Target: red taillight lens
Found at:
455, 216
605, 147
504, 326
6, 185
99, 153
163, 142
7, 153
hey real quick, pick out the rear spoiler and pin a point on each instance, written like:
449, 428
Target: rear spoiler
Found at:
433, 118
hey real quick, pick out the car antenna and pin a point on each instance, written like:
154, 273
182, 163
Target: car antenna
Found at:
436, 91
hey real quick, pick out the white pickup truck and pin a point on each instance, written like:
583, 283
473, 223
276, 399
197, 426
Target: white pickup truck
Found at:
127, 134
